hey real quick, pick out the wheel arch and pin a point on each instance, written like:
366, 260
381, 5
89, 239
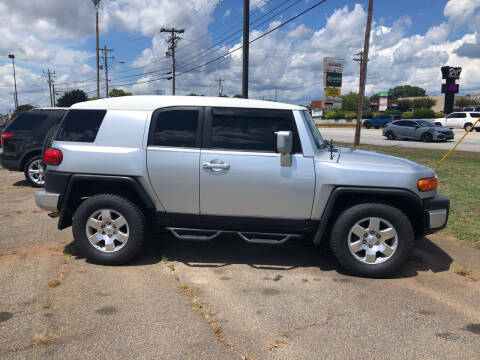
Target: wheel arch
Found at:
28, 155
81, 186
342, 198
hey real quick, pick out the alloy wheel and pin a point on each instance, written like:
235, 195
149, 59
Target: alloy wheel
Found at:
107, 230
36, 172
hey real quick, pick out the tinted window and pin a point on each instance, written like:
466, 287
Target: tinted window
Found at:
475, 115
251, 133
461, 115
37, 122
400, 123
452, 116
425, 123
80, 125
175, 128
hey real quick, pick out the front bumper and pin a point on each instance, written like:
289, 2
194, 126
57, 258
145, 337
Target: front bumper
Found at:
47, 200
443, 136
436, 211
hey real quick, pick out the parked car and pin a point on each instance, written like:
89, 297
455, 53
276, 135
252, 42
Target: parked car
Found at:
417, 130
22, 142
380, 121
459, 120
472, 108
202, 166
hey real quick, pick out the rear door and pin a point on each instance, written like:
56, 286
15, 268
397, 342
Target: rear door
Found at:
173, 155
240, 173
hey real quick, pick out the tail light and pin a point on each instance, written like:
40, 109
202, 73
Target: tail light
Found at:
427, 184
6, 136
52, 157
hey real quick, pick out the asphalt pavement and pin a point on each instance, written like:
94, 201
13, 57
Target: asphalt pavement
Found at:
225, 299
374, 137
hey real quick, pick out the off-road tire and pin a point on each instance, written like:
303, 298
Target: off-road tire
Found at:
136, 223
30, 181
346, 220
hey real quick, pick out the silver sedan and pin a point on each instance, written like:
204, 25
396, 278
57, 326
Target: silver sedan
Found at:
417, 130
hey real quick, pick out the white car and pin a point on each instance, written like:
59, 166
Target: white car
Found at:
460, 119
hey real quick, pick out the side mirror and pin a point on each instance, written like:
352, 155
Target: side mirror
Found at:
284, 147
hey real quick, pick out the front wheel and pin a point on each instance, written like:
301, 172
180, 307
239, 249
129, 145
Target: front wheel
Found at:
34, 171
372, 239
467, 126
390, 135
109, 229
427, 137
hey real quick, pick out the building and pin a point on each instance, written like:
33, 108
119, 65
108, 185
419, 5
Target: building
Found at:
316, 107
439, 101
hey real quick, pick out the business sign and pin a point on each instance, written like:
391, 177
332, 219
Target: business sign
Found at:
331, 79
383, 94
383, 104
332, 65
332, 92
450, 88
449, 72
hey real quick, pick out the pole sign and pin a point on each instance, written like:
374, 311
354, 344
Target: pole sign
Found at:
383, 94
332, 65
383, 104
332, 79
332, 92
450, 88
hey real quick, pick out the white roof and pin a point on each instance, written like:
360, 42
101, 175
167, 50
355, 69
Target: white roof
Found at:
152, 102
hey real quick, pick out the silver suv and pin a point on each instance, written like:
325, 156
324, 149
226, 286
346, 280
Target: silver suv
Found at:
201, 166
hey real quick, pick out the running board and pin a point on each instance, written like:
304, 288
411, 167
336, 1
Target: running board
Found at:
249, 237
194, 234
266, 238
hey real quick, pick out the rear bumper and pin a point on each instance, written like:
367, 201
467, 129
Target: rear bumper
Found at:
10, 164
436, 211
47, 200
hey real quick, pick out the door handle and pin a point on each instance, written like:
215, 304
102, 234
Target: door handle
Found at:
216, 166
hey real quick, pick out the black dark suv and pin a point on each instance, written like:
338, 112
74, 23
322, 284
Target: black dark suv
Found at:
22, 142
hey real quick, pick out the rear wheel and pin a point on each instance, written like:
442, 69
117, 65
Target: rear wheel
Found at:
367, 125
467, 126
34, 171
377, 127
109, 229
438, 124
372, 239
477, 129
390, 135
427, 137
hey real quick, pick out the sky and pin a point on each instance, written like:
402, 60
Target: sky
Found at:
410, 41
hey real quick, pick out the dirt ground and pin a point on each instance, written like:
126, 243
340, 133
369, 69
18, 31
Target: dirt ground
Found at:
225, 299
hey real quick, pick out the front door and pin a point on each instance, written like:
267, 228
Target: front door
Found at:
240, 173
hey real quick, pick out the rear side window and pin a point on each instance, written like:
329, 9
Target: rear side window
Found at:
80, 125
175, 128
37, 122
250, 131
475, 115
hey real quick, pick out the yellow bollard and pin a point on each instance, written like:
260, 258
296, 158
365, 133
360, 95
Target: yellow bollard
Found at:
458, 142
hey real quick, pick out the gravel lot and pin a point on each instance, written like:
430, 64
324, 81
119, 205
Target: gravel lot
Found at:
223, 300
374, 136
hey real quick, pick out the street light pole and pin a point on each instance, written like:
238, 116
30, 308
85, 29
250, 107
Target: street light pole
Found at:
15, 95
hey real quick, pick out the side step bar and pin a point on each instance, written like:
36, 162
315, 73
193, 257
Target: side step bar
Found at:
249, 237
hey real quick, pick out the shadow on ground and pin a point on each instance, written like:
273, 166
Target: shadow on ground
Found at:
21, 183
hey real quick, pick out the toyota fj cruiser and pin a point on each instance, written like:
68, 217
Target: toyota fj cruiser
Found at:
201, 166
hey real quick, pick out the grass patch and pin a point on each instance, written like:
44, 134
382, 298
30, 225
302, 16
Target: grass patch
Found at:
459, 180
54, 283
44, 339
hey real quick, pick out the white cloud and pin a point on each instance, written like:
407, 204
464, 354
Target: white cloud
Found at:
460, 11
227, 13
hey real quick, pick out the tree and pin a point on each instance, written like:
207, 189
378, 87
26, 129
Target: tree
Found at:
72, 97
21, 108
119, 92
423, 103
406, 91
350, 102
466, 101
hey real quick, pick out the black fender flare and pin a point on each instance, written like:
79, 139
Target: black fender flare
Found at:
372, 191
65, 218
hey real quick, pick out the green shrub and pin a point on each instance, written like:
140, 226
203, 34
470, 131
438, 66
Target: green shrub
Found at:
339, 115
407, 115
439, 114
329, 115
393, 112
367, 114
424, 114
350, 115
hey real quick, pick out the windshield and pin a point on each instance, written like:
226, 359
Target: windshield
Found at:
425, 123
313, 128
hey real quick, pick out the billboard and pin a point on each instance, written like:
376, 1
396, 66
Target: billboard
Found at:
332, 92
331, 79
332, 65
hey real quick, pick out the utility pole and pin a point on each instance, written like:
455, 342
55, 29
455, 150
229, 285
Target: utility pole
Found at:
96, 3
53, 93
49, 76
276, 94
105, 58
15, 94
246, 40
363, 74
172, 41
220, 88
